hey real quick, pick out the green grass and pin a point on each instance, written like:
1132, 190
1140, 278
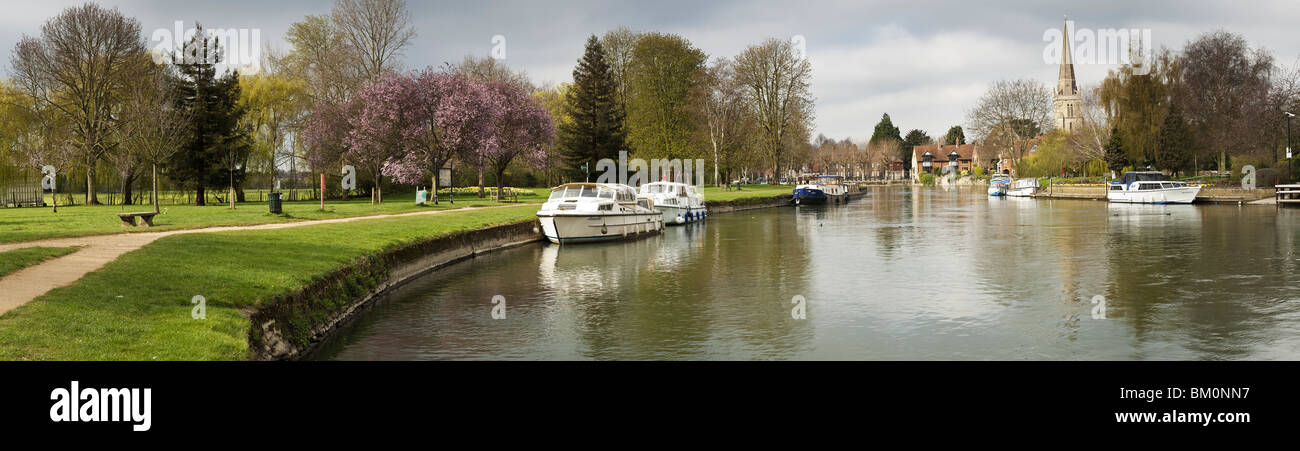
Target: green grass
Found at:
138, 307
27, 224
720, 194
17, 259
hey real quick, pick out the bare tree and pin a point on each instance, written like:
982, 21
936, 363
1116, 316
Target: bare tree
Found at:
79, 67
1089, 141
1011, 113
1225, 91
153, 128
619, 45
776, 80
377, 30
719, 105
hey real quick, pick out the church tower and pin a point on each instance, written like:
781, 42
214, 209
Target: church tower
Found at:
1067, 103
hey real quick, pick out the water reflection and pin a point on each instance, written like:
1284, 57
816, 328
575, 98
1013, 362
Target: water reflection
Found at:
897, 274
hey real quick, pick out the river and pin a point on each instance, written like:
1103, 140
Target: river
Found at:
901, 273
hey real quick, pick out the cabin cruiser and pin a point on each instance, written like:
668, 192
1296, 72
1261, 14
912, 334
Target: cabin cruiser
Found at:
1024, 188
823, 189
586, 212
680, 203
1150, 187
998, 185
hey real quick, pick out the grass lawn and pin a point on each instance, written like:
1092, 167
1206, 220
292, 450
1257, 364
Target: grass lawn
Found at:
17, 259
138, 307
27, 224
719, 194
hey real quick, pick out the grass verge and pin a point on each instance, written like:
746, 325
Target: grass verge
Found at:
14, 260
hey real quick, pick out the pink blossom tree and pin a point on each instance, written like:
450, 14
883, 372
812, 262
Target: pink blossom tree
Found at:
442, 114
522, 131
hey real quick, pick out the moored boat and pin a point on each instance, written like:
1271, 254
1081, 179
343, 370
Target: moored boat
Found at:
998, 185
1024, 188
1150, 187
589, 212
680, 203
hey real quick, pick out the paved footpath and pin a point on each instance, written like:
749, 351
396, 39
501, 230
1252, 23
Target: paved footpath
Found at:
31, 282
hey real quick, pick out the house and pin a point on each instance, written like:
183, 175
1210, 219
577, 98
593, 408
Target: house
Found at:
934, 158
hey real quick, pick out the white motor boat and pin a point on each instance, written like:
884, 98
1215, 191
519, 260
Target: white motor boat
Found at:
680, 203
1150, 187
1024, 188
588, 212
998, 185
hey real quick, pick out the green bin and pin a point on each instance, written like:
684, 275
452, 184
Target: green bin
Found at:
274, 200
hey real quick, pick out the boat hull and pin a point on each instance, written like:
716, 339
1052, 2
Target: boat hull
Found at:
1022, 192
806, 196
586, 228
675, 215
1185, 195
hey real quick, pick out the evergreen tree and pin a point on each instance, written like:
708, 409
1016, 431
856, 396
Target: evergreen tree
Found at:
955, 136
886, 131
1174, 146
914, 138
1116, 159
215, 146
596, 130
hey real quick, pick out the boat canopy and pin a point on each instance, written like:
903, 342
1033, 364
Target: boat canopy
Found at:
620, 193
1144, 176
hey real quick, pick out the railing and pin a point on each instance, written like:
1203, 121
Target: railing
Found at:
22, 196
1287, 194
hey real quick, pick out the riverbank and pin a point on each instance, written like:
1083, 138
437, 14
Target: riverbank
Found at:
1207, 195
295, 284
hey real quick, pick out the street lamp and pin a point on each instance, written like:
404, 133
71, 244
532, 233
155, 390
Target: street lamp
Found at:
1289, 115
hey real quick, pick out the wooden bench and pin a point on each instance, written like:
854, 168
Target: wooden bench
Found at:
128, 219
506, 193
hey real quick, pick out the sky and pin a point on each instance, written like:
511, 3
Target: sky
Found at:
925, 63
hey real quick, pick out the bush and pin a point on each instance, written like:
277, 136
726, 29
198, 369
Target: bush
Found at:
1266, 178
926, 179
978, 171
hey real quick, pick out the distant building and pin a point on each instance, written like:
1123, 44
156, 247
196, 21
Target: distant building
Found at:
1067, 103
935, 157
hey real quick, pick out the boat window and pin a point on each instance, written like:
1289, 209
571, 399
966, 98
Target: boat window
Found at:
1117, 188
557, 194
606, 193
588, 191
572, 192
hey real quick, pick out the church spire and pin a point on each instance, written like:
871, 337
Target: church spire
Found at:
1065, 84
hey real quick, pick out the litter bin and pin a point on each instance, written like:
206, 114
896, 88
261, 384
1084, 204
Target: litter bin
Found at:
274, 200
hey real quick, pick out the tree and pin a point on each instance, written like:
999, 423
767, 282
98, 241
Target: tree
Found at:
35, 133
1011, 113
555, 102
665, 69
597, 128
214, 141
157, 128
487, 71
1226, 91
273, 104
323, 58
720, 107
1116, 158
955, 136
885, 131
1136, 102
78, 68
914, 138
777, 82
1088, 142
427, 118
376, 30
1174, 149
619, 45
522, 128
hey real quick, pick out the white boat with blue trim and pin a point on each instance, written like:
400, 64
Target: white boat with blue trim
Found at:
591, 212
680, 203
1150, 187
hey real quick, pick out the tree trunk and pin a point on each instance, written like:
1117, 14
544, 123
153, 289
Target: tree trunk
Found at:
501, 174
128, 179
435, 189
91, 197
200, 198
481, 194
231, 194
154, 195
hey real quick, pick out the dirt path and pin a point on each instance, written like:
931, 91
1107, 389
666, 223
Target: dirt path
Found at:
28, 283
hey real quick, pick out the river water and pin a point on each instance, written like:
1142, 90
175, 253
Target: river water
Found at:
899, 274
